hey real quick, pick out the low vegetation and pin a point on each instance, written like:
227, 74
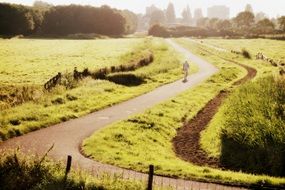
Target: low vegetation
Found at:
271, 48
146, 138
46, 108
251, 125
18, 171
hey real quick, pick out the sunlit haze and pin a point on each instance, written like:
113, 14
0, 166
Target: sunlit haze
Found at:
272, 8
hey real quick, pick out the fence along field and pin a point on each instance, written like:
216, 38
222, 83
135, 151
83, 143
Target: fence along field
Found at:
27, 106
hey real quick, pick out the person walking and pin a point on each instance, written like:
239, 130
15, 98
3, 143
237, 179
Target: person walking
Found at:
186, 67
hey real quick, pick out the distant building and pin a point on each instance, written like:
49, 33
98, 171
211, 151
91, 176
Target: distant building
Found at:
198, 14
150, 10
220, 12
260, 16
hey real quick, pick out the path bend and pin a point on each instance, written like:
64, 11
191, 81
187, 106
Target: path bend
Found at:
68, 136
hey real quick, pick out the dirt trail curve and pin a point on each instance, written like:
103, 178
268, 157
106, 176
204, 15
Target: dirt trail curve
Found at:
68, 136
187, 141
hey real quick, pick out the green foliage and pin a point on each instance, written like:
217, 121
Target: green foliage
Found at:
158, 30
253, 135
15, 19
45, 19
281, 22
131, 21
31, 172
64, 20
246, 54
264, 26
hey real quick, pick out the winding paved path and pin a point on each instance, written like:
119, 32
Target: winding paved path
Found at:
68, 136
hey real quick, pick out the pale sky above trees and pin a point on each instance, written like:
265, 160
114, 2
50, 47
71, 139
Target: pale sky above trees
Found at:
270, 7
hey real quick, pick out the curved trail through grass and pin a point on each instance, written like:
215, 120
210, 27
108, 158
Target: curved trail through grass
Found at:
187, 141
68, 136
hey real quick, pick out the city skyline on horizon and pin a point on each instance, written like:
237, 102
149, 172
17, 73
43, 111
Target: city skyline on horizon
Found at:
269, 8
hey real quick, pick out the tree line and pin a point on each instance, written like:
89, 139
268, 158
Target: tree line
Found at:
45, 19
246, 23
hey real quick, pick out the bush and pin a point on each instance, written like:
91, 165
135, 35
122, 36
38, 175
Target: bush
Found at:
246, 54
253, 139
158, 30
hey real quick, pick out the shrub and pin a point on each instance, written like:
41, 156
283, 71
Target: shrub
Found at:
158, 30
253, 138
246, 54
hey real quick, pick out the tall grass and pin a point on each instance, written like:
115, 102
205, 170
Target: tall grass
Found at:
18, 171
253, 137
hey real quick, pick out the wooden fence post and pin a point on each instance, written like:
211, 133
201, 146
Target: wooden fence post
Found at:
150, 177
67, 170
68, 165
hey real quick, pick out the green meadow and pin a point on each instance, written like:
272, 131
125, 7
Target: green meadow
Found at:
147, 138
23, 76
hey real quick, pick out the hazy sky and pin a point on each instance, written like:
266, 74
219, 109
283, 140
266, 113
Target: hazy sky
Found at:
270, 7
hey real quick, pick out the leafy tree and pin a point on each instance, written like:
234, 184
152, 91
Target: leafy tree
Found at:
260, 16
202, 22
244, 21
170, 13
157, 17
281, 22
72, 19
265, 26
15, 19
213, 24
131, 21
42, 5
158, 30
224, 25
186, 15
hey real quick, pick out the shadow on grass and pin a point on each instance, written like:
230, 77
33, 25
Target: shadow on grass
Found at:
125, 79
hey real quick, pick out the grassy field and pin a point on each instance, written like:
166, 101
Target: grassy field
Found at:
146, 138
271, 48
30, 61
46, 108
210, 138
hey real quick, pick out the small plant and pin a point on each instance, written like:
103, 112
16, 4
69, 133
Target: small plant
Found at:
246, 54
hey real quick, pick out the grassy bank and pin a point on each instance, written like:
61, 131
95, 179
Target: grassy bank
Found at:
251, 128
30, 172
91, 95
146, 138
